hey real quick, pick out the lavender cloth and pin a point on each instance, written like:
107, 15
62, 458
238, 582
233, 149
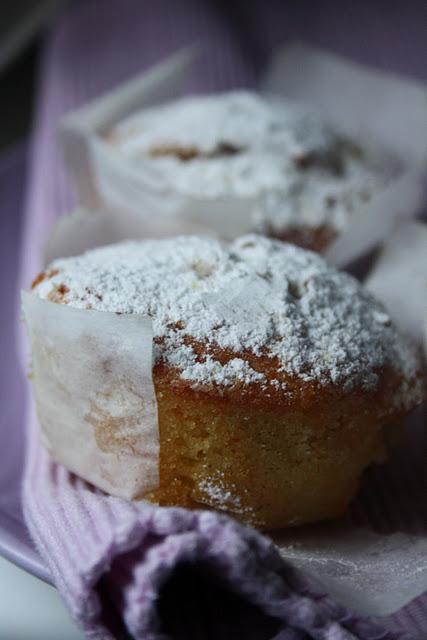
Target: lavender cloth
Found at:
110, 558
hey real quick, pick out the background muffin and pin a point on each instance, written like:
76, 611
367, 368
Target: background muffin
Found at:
295, 177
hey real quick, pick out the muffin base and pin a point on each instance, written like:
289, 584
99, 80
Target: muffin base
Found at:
268, 468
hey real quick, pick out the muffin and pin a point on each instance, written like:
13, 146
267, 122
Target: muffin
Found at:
278, 379
285, 171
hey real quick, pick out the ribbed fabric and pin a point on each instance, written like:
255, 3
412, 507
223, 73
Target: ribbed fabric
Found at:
110, 559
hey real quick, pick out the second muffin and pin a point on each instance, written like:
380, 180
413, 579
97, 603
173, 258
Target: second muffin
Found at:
287, 172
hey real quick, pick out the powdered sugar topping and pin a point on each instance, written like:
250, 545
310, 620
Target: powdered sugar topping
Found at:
291, 167
253, 297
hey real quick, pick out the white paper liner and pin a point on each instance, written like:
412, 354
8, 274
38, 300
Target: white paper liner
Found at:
361, 100
372, 573
399, 278
94, 394
366, 103
78, 128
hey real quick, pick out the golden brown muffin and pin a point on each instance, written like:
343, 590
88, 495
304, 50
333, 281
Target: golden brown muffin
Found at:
278, 379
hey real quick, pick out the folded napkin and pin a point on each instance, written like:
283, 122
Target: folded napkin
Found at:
133, 568
161, 573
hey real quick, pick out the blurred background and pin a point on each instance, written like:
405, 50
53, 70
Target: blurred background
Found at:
388, 34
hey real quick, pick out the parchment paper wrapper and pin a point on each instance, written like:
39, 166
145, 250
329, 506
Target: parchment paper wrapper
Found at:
372, 573
399, 278
94, 394
365, 103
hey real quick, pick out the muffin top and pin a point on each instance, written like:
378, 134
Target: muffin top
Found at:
256, 311
294, 168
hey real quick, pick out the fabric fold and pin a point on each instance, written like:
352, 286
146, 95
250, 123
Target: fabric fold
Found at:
111, 559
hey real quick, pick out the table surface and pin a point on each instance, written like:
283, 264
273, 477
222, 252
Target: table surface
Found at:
31, 609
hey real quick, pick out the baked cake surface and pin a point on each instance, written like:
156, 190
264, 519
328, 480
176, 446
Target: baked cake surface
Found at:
263, 311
